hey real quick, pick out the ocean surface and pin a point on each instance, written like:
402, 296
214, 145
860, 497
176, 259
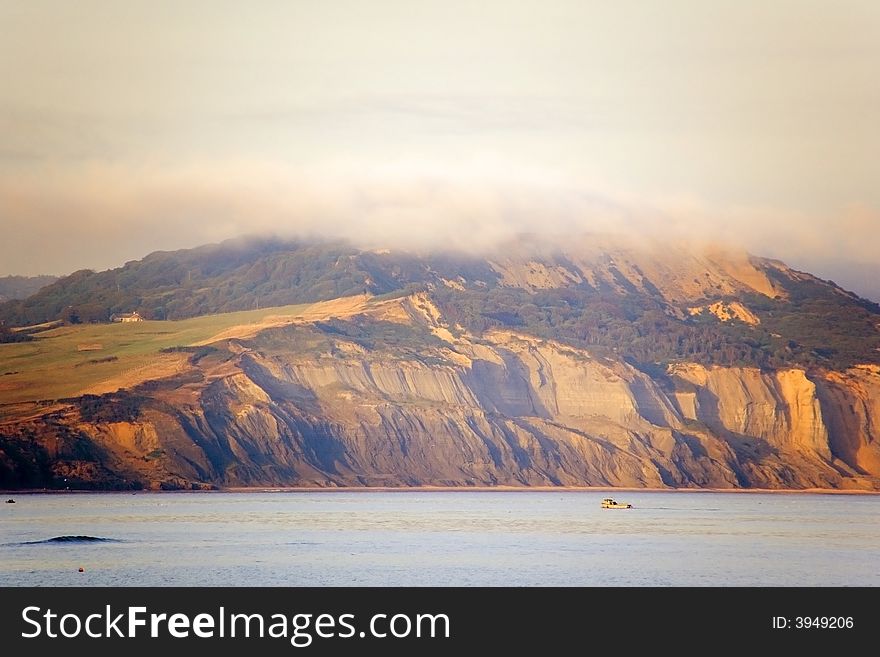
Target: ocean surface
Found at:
439, 539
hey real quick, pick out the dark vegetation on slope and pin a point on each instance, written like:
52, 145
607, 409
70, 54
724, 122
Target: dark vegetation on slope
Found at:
21, 287
241, 274
817, 326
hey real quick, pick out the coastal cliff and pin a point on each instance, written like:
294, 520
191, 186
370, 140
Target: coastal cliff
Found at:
505, 409
593, 365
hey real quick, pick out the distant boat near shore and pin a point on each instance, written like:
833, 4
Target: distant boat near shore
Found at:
609, 503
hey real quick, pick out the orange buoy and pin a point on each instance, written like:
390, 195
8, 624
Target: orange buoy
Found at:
81, 569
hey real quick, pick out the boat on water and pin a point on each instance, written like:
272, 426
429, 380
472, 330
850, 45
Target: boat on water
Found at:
609, 503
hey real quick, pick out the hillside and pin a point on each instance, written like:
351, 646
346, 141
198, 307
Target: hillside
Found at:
21, 287
595, 364
242, 274
651, 303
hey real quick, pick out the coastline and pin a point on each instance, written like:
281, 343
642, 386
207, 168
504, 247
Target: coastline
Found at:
453, 489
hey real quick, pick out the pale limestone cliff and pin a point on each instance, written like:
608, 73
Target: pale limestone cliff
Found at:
851, 403
504, 409
780, 407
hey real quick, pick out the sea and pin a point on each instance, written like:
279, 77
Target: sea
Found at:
443, 538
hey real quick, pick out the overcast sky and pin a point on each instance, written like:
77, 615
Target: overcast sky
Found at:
127, 127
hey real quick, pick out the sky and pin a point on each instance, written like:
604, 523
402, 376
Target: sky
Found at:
129, 127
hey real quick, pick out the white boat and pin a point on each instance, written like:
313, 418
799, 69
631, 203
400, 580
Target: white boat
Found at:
609, 503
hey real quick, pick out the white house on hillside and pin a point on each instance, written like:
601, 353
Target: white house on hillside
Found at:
126, 317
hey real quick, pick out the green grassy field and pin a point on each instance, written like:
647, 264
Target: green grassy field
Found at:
65, 361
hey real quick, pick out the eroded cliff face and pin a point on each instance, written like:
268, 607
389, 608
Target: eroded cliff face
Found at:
780, 407
505, 409
850, 402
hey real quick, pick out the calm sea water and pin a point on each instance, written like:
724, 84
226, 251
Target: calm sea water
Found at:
439, 539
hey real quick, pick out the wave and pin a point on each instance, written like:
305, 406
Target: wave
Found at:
71, 539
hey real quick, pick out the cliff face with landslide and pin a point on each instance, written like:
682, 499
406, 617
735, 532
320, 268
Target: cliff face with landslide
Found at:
540, 364
451, 409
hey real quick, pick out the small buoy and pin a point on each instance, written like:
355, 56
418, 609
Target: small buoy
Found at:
81, 569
